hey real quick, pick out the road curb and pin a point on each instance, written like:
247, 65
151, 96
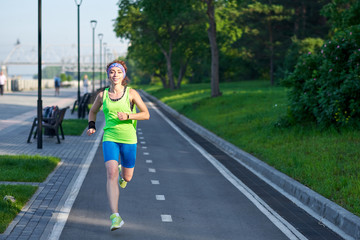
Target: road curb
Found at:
343, 222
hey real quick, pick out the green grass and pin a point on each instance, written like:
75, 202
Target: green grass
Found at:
327, 161
23, 168
9, 210
74, 127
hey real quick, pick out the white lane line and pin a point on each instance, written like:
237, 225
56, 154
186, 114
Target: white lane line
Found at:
144, 147
146, 153
140, 133
66, 208
152, 170
166, 218
143, 142
149, 161
141, 138
290, 231
139, 129
160, 197
155, 182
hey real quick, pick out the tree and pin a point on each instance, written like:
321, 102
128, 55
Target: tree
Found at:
157, 23
342, 13
267, 34
215, 89
148, 62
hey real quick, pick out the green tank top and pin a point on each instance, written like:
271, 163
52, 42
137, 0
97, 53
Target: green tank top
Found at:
116, 130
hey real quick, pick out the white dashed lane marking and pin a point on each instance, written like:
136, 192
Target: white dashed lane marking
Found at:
155, 182
160, 197
166, 218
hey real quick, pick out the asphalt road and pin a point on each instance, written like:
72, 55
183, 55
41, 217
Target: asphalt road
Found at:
201, 202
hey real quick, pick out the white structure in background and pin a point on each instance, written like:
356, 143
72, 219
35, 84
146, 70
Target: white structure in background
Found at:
64, 56
60, 55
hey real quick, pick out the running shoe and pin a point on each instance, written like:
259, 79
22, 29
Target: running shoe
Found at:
122, 182
116, 222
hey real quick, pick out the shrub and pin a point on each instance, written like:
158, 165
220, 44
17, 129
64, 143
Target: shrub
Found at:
298, 48
325, 86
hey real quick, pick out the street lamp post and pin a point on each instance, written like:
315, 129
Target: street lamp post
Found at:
100, 35
93, 25
39, 102
78, 3
105, 81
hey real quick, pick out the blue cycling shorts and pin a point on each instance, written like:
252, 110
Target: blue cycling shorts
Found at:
127, 153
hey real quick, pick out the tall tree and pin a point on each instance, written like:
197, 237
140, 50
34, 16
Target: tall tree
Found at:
149, 62
215, 88
266, 34
342, 13
157, 23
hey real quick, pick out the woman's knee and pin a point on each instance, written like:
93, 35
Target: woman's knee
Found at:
127, 178
112, 172
127, 173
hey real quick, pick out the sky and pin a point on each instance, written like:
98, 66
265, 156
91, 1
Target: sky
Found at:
19, 21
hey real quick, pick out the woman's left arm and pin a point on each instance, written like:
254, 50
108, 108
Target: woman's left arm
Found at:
144, 112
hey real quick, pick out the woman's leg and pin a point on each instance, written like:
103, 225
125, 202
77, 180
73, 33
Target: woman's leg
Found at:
128, 158
112, 188
127, 173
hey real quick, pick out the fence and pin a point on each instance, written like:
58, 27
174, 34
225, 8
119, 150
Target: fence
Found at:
14, 85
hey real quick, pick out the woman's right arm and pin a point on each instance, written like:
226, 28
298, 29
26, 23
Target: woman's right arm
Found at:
93, 111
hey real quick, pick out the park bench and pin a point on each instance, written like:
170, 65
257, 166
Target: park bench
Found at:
51, 125
83, 105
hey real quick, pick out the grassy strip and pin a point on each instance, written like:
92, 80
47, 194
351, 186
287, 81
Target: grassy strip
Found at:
74, 127
23, 168
9, 210
247, 115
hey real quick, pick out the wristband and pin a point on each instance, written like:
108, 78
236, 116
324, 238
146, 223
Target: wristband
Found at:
128, 116
92, 125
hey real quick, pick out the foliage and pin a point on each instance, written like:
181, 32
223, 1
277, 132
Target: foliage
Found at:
298, 48
342, 13
325, 85
169, 43
255, 36
63, 77
50, 72
154, 29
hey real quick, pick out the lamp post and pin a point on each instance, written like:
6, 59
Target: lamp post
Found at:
39, 101
100, 35
93, 25
105, 79
78, 3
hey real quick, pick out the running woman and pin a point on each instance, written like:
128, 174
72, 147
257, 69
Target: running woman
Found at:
119, 138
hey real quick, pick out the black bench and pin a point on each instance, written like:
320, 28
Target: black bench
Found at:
83, 108
52, 124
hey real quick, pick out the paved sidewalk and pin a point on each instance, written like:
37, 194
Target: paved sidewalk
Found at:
37, 219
